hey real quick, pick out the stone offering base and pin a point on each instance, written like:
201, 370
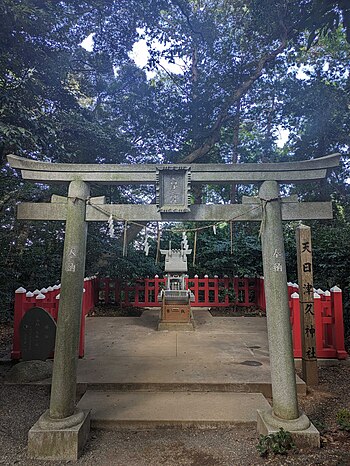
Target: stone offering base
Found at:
59, 440
304, 433
176, 326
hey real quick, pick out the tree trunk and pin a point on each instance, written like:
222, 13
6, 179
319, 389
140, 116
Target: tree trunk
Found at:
235, 143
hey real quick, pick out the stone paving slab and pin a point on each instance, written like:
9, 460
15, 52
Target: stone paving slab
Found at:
233, 346
151, 409
127, 341
224, 353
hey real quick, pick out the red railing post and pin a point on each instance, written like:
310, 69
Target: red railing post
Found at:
20, 299
235, 289
86, 296
56, 305
92, 292
225, 290
140, 283
328, 320
262, 296
216, 301
318, 325
156, 289
195, 291
258, 293
206, 291
321, 293
42, 300
56, 290
246, 290
96, 285
337, 308
290, 289
84, 311
295, 321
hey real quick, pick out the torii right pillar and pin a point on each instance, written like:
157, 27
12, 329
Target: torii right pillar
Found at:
285, 412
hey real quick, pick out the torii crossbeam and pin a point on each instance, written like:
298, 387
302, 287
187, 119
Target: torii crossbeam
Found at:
288, 172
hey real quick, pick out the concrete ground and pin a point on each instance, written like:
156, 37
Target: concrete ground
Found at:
222, 354
138, 377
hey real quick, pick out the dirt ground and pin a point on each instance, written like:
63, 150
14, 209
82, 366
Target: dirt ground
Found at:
20, 407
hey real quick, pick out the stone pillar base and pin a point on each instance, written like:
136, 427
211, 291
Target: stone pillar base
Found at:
63, 439
304, 433
177, 326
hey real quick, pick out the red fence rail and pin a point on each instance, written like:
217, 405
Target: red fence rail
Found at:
209, 292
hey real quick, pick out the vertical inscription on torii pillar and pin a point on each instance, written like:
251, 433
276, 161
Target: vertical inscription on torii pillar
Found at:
173, 185
307, 309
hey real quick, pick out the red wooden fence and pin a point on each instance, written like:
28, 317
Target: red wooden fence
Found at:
329, 324
48, 299
208, 292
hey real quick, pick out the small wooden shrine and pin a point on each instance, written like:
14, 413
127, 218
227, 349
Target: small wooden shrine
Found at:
176, 297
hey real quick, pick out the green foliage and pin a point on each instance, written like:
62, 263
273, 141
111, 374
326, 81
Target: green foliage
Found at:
325, 17
343, 419
320, 426
278, 444
227, 292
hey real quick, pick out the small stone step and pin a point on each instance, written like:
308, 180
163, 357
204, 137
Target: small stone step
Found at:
166, 409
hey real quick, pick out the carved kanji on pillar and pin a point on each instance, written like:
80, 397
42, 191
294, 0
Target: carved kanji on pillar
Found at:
307, 310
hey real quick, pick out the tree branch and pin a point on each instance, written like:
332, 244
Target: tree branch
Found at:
236, 96
171, 76
209, 143
182, 7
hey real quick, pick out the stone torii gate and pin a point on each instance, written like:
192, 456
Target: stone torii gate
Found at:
62, 431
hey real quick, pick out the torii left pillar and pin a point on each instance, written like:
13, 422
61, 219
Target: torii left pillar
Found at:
62, 431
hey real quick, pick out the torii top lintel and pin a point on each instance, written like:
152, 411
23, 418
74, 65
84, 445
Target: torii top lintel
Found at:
244, 173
